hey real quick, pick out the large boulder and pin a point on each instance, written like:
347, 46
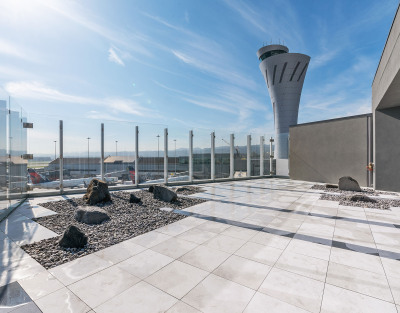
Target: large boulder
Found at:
134, 199
73, 237
361, 198
96, 192
164, 194
91, 215
348, 183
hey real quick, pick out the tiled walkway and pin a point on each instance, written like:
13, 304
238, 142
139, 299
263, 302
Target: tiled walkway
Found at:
265, 245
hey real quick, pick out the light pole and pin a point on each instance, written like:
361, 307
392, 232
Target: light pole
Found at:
158, 154
175, 156
116, 147
88, 138
55, 149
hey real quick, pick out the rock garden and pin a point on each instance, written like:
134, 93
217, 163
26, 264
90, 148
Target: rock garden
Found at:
101, 219
348, 192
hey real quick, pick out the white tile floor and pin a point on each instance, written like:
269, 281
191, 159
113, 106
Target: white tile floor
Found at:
198, 265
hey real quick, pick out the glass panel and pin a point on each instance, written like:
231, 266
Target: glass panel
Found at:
222, 154
119, 153
3, 148
255, 155
201, 154
240, 166
43, 143
178, 155
82, 142
17, 148
151, 153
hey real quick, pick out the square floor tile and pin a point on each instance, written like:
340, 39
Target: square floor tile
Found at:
120, 251
243, 271
75, 270
214, 227
145, 263
13, 296
205, 258
312, 249
365, 282
142, 297
174, 247
271, 240
196, 235
358, 260
40, 285
303, 265
177, 278
150, 239
103, 285
225, 243
62, 301
216, 294
262, 303
339, 300
240, 232
182, 307
259, 253
300, 291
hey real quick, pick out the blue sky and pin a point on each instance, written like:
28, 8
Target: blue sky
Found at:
186, 64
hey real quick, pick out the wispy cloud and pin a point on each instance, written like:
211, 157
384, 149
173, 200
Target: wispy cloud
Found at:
114, 57
39, 91
10, 49
78, 14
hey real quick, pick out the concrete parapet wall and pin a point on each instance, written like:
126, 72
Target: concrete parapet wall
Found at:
327, 150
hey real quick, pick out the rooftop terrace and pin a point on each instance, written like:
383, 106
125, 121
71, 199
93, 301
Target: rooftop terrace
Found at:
265, 245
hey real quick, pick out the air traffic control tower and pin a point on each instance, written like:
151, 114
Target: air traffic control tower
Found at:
284, 75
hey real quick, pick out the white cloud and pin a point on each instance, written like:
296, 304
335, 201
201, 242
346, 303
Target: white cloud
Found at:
10, 49
113, 57
39, 91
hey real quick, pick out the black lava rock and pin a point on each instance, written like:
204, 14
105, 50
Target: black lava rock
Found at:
349, 183
331, 186
91, 215
73, 237
164, 194
362, 198
134, 199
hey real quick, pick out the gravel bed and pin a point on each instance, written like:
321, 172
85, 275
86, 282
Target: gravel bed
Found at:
369, 191
127, 221
382, 204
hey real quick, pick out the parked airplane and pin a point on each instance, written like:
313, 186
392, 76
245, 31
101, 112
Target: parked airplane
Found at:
41, 181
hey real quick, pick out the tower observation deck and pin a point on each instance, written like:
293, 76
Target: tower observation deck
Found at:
284, 75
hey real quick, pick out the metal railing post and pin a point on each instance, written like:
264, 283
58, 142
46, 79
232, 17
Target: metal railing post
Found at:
248, 155
271, 156
191, 155
232, 157
262, 156
213, 155
165, 155
136, 155
102, 152
61, 149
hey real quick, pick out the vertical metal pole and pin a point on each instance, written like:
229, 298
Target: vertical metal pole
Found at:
232, 157
271, 156
136, 155
61, 140
213, 155
102, 152
248, 155
166, 155
191, 155
262, 156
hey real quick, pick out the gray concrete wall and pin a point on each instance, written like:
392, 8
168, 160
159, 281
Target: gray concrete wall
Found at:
387, 149
327, 150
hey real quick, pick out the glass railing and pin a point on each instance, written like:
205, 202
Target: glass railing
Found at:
40, 153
